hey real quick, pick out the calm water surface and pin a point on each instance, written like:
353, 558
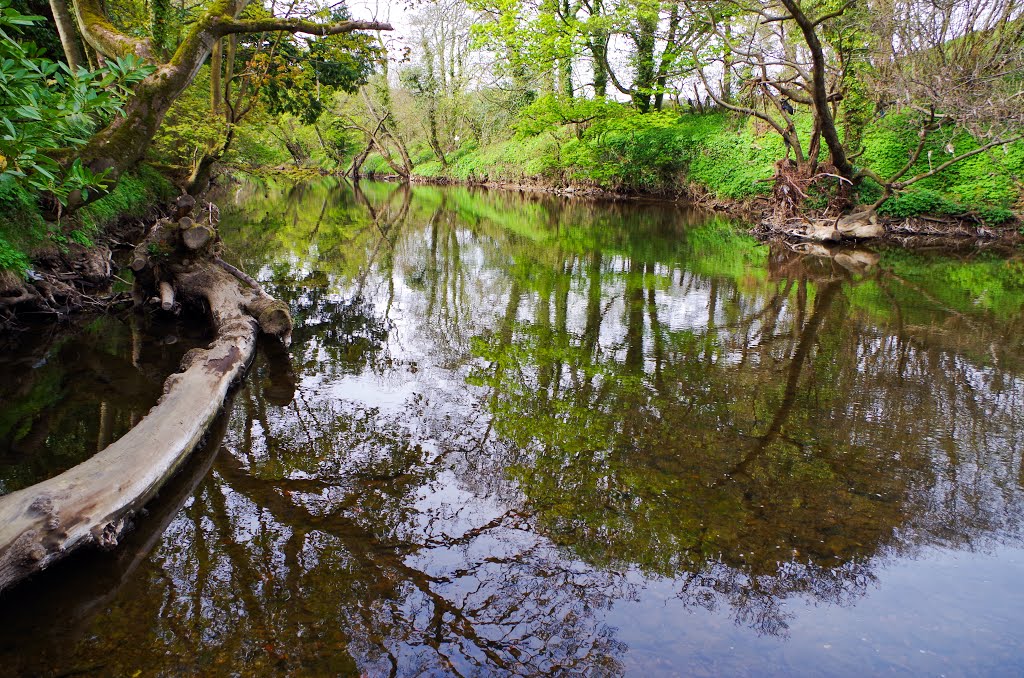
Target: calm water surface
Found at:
519, 435
67, 392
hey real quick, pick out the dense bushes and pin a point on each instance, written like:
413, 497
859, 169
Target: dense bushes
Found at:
613, 147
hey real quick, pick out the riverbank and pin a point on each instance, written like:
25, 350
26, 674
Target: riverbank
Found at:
922, 229
54, 267
728, 163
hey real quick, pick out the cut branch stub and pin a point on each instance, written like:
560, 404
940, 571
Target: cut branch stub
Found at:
272, 315
166, 296
196, 236
139, 260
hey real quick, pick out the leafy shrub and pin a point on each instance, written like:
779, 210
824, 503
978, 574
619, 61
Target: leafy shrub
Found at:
45, 106
920, 201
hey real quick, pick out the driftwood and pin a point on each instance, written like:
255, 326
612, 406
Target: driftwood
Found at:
856, 226
54, 609
93, 503
166, 296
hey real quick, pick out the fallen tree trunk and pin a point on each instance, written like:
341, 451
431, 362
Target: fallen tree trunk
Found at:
94, 502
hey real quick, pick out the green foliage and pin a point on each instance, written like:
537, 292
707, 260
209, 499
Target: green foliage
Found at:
609, 145
46, 108
302, 74
189, 128
713, 151
987, 184
11, 258
23, 230
20, 226
550, 111
41, 33
256, 147
919, 201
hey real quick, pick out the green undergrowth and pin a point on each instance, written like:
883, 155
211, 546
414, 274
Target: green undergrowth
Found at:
24, 231
655, 153
729, 156
988, 184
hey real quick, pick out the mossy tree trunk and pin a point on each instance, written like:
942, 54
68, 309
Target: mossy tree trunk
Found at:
122, 144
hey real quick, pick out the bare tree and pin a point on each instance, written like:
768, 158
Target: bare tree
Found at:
778, 52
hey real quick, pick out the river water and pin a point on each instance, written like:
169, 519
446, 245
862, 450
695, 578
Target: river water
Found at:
524, 435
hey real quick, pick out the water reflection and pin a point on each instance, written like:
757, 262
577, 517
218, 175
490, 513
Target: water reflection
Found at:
69, 391
512, 428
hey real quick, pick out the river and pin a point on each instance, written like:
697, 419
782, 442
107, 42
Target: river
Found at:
518, 434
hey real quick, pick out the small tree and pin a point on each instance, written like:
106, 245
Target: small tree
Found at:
122, 143
783, 54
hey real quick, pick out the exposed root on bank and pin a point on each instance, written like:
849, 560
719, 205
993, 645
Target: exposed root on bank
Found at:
64, 281
94, 502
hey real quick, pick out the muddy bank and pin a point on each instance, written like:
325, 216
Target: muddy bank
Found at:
64, 281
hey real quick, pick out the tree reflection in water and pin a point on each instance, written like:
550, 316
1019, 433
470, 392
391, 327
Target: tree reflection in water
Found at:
503, 415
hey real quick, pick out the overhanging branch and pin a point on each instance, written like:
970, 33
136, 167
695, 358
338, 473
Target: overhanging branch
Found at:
297, 26
103, 36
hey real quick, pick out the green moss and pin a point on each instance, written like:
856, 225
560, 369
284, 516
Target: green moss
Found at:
21, 227
134, 195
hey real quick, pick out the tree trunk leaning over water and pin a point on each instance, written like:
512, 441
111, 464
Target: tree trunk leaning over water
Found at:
122, 144
94, 502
